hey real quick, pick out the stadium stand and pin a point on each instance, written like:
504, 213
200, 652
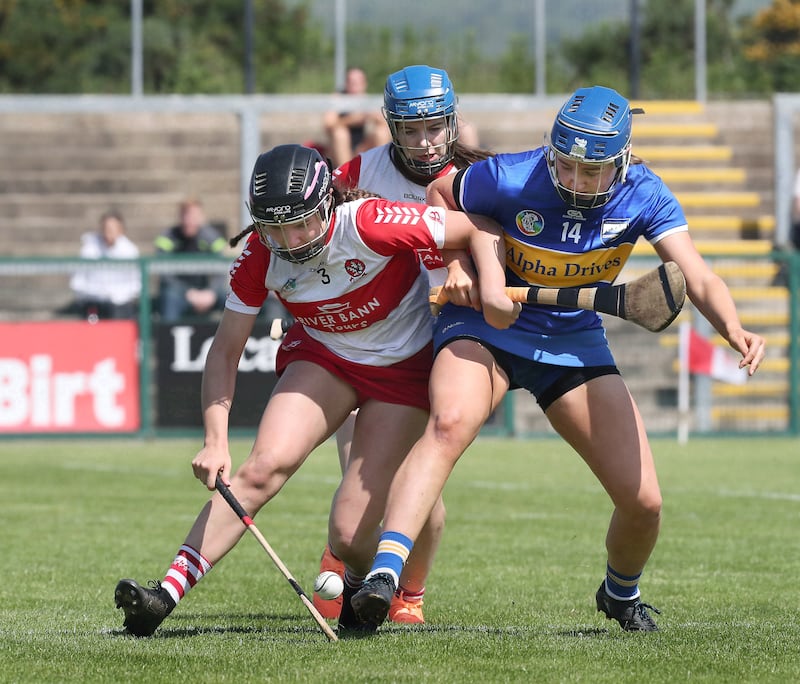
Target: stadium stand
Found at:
718, 159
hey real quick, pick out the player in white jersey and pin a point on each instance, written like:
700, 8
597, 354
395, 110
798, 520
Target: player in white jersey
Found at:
570, 213
420, 107
349, 274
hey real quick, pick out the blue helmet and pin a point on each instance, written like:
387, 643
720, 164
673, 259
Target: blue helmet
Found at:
289, 184
421, 93
592, 127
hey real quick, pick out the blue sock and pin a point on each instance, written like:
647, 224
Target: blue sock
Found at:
393, 550
622, 587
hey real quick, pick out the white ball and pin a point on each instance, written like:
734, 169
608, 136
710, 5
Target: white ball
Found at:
328, 585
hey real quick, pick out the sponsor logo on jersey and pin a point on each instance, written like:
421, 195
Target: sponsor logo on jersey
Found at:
355, 268
430, 258
450, 326
563, 269
530, 222
612, 229
435, 215
335, 307
342, 316
574, 215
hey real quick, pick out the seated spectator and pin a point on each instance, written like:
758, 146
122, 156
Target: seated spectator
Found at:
111, 292
352, 132
190, 294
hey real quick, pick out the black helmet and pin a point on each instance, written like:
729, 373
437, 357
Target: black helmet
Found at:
290, 183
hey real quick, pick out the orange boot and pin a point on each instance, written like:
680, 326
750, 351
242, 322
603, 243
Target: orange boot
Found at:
405, 609
329, 609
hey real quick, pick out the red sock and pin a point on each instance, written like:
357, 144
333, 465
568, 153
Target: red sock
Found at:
186, 570
412, 596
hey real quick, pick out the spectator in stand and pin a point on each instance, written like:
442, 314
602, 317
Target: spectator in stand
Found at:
192, 294
352, 132
110, 292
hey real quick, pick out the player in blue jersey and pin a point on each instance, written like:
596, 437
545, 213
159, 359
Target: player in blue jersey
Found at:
571, 212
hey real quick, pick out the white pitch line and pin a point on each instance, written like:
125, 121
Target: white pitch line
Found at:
773, 496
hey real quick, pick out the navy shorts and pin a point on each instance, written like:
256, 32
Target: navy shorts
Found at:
544, 381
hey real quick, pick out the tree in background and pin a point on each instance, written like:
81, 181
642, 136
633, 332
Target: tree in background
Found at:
197, 46
64, 47
772, 46
601, 54
190, 46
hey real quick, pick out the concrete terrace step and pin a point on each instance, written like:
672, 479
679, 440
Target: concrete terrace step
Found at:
746, 271
178, 160
751, 389
95, 181
683, 153
678, 129
752, 416
714, 175
718, 248
718, 199
669, 107
763, 295
762, 224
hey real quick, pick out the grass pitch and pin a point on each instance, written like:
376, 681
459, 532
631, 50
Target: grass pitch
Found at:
510, 599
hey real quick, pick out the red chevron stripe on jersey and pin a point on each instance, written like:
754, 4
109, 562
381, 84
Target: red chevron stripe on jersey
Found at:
405, 215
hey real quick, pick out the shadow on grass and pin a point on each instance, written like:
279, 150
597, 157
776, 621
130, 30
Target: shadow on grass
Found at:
223, 623
271, 625
485, 629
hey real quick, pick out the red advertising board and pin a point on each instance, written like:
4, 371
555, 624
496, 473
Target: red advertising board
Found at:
69, 376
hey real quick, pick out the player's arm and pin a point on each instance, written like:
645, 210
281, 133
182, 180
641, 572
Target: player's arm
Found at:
461, 283
219, 381
484, 237
709, 293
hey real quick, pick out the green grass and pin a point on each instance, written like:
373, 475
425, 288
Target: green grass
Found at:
510, 598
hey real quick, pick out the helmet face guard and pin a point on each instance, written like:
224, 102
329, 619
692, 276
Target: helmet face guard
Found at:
301, 253
289, 185
592, 128
421, 93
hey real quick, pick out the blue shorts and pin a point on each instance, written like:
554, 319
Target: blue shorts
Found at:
544, 381
547, 365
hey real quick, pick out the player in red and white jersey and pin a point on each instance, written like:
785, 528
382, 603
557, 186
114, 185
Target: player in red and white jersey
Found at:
349, 273
376, 290
429, 140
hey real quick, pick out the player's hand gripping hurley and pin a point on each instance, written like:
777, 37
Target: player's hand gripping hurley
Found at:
250, 525
652, 301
